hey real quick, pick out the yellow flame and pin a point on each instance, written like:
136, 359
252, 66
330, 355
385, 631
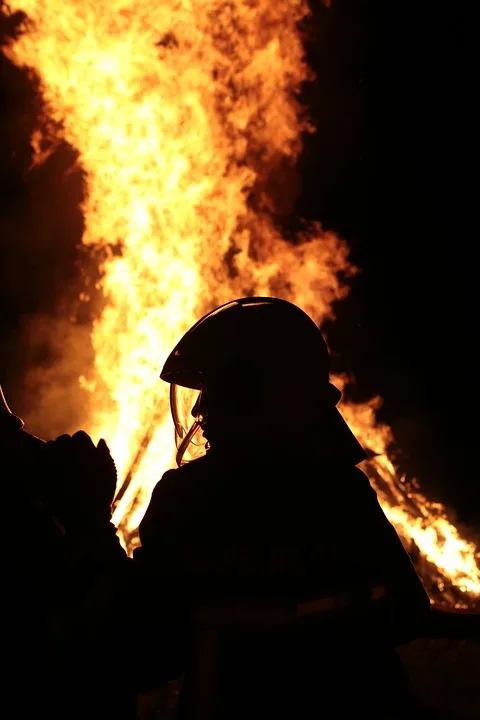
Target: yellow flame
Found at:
416, 519
182, 112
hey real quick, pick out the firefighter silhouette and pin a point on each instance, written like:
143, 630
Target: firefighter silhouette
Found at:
296, 589
268, 578
60, 554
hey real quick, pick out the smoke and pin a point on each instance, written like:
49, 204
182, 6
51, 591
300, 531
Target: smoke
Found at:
44, 329
59, 352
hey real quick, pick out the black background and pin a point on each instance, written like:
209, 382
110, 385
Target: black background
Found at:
391, 169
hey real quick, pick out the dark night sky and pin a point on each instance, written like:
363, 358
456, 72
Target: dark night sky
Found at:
399, 187
389, 169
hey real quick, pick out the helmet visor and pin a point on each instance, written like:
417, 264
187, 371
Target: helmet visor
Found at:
189, 439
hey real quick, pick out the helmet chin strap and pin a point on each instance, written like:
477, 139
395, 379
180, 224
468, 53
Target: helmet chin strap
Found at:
186, 442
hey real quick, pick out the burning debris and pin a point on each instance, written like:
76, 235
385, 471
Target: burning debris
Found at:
185, 119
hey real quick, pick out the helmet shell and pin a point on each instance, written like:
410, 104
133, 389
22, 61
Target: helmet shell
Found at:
245, 334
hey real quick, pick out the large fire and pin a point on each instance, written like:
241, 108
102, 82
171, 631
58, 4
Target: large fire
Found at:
184, 114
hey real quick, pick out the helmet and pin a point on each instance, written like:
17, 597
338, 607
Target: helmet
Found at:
256, 364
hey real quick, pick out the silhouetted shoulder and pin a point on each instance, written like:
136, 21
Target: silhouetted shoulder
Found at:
174, 497
349, 481
175, 483
360, 482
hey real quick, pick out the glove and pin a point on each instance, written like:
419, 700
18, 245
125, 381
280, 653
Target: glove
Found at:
79, 481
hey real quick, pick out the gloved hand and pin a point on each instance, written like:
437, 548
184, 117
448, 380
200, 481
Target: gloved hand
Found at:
79, 481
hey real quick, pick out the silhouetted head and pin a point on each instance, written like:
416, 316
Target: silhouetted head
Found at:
253, 371
13, 438
10, 424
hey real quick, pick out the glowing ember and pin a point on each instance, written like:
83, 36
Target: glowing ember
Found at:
184, 115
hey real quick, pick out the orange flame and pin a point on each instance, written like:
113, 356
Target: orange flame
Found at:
182, 113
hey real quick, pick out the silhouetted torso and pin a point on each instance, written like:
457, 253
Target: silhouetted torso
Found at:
59, 607
296, 530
